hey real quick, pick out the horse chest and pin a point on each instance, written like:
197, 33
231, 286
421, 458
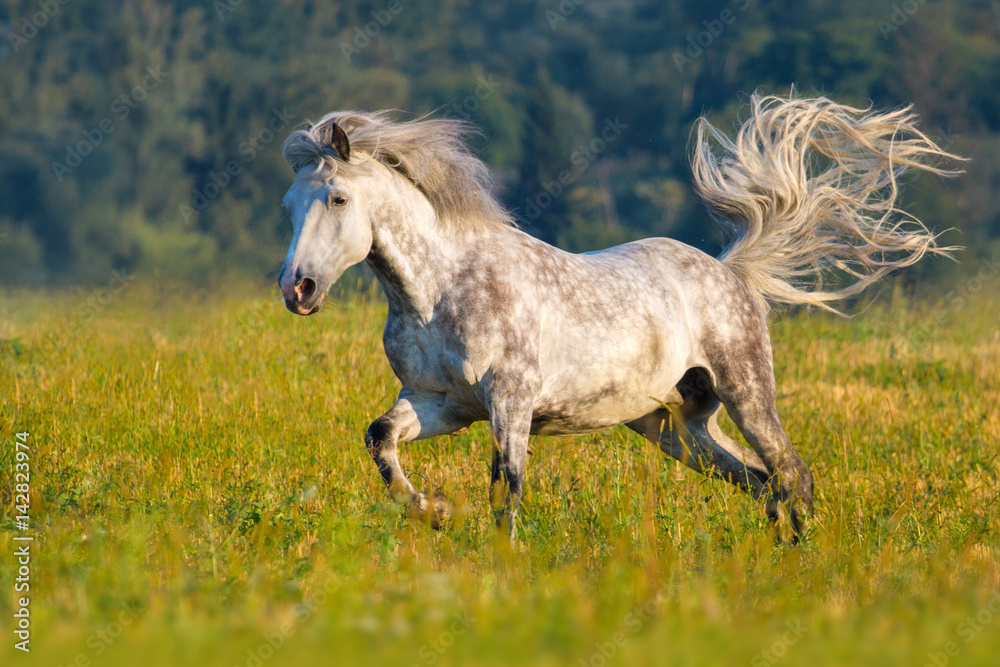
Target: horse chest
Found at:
423, 358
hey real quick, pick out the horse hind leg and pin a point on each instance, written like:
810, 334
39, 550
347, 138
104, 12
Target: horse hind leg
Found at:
688, 430
791, 479
744, 381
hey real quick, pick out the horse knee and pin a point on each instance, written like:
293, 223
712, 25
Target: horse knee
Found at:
378, 433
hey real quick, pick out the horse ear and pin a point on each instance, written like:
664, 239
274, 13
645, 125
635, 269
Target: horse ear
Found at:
331, 134
323, 133
338, 139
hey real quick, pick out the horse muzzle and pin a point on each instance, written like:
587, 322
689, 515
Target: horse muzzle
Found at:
303, 297
300, 308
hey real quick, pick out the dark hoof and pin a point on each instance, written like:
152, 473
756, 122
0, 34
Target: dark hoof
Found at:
436, 511
788, 522
796, 498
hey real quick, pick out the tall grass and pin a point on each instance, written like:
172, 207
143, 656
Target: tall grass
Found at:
201, 495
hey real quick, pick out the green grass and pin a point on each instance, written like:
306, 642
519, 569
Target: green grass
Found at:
198, 460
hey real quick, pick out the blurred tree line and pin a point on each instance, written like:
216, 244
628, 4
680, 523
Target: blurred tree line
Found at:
137, 134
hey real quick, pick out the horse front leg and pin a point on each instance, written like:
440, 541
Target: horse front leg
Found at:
510, 421
414, 416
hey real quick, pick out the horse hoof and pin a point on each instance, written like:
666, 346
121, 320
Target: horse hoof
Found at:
788, 522
435, 511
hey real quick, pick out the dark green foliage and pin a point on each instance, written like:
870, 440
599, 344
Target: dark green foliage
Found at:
183, 172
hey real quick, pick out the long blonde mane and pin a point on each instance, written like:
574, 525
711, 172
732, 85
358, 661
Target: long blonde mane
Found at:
430, 153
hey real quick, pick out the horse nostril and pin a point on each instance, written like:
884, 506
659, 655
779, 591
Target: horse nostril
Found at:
305, 288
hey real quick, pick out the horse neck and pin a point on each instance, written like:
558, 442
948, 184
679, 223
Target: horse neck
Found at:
412, 255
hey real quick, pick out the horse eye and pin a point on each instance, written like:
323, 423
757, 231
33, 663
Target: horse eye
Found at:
338, 200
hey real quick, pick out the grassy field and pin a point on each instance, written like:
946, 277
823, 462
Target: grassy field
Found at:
200, 494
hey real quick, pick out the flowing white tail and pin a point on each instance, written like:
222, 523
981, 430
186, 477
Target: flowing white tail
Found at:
810, 186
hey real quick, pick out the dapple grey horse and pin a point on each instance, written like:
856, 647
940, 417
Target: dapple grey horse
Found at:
488, 323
